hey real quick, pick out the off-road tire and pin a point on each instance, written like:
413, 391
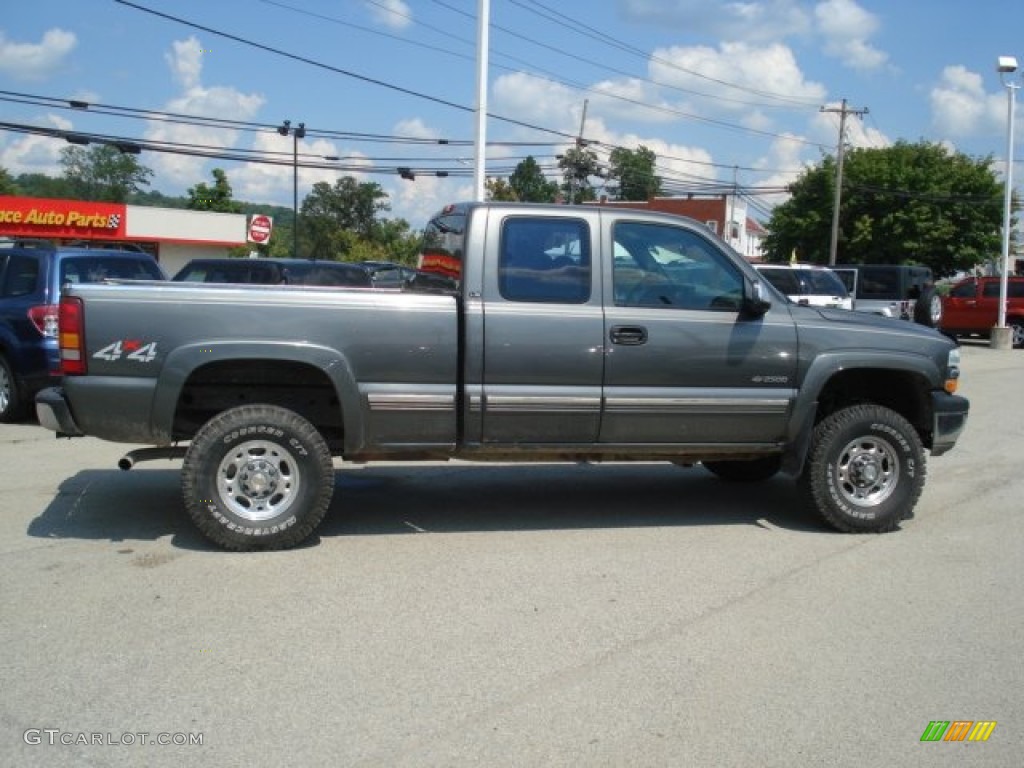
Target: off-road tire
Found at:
747, 471
865, 469
11, 405
257, 477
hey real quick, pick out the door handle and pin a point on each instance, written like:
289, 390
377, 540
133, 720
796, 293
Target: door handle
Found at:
628, 335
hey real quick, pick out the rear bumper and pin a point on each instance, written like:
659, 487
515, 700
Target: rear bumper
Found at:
949, 417
54, 413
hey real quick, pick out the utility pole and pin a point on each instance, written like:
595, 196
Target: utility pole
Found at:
843, 112
579, 145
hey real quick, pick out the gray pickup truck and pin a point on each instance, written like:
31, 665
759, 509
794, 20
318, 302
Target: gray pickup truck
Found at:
577, 334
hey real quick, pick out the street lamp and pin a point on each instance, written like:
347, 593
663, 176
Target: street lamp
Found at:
298, 133
1006, 66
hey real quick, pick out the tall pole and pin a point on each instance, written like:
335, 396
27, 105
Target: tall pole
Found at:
1011, 89
843, 111
480, 153
298, 133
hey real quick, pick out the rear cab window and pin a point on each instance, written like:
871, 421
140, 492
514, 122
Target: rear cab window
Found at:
95, 269
545, 260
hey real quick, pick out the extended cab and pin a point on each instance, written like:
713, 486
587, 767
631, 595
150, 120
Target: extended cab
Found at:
578, 333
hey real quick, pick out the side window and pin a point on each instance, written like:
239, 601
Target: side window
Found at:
990, 289
21, 276
660, 265
879, 284
544, 260
964, 291
1015, 289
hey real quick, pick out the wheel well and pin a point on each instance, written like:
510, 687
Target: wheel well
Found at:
299, 387
901, 391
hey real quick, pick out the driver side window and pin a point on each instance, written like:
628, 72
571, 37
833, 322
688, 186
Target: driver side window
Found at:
659, 265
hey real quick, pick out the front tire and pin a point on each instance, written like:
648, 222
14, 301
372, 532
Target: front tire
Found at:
865, 469
257, 477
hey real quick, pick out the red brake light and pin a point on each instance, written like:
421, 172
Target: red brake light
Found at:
44, 318
72, 336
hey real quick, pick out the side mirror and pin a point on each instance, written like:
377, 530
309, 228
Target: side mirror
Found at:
755, 298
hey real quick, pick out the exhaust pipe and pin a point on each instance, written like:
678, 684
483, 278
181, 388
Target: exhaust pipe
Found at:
129, 460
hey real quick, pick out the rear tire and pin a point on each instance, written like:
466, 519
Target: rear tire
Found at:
865, 469
11, 405
745, 471
257, 477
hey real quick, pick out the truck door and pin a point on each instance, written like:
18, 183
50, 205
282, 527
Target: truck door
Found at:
542, 332
684, 365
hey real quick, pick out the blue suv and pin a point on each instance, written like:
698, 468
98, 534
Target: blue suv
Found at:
31, 276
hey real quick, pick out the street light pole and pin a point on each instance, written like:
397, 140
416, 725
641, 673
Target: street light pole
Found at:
1001, 337
298, 133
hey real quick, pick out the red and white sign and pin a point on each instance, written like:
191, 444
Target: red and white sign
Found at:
43, 217
260, 228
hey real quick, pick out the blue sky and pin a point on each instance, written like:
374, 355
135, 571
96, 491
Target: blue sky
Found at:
719, 90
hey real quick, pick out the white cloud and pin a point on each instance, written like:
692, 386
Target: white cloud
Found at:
185, 62
35, 61
846, 28
961, 106
391, 13
35, 154
755, 69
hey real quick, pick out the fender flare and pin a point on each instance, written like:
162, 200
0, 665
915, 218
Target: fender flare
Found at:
183, 361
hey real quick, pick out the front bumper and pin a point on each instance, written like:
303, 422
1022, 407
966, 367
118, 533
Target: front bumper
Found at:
949, 417
54, 413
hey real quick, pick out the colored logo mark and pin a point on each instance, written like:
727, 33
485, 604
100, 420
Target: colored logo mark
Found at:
958, 730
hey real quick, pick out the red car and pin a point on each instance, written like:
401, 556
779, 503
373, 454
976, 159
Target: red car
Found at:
972, 307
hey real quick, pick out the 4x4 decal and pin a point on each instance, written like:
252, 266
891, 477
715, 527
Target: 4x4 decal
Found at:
129, 349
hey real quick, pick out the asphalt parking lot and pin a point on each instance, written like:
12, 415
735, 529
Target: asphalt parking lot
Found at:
463, 615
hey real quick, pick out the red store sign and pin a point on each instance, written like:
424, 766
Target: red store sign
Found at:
41, 217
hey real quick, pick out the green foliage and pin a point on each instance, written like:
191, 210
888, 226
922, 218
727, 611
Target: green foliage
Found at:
500, 190
634, 171
529, 184
102, 173
328, 213
216, 198
909, 203
41, 185
578, 165
7, 185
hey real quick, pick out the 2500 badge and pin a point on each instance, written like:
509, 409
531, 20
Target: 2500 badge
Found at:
128, 349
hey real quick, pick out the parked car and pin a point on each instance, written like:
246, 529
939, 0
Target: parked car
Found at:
807, 284
389, 274
275, 272
890, 290
31, 275
971, 308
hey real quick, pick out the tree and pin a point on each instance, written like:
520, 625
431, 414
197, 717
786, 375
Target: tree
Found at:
634, 171
530, 185
909, 203
103, 173
7, 185
500, 190
347, 207
216, 198
578, 165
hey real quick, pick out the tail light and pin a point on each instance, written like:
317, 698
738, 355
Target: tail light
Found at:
71, 338
44, 318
